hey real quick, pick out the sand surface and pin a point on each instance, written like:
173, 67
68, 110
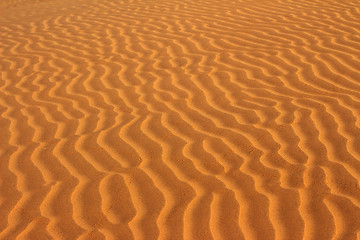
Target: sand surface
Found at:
180, 119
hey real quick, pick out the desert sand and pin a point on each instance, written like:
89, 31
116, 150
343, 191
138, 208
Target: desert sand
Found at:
180, 119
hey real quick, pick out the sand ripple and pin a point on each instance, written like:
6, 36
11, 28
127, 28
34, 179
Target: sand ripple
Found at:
171, 119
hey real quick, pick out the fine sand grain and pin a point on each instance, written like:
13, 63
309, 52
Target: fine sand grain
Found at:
180, 119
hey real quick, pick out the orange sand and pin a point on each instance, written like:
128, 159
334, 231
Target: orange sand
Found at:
180, 119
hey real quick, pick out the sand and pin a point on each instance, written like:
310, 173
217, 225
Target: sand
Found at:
180, 119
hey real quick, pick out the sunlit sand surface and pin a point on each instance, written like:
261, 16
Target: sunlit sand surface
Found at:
180, 119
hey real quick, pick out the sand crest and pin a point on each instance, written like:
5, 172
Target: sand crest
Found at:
180, 119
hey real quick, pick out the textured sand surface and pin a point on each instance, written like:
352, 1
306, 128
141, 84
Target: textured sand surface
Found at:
180, 119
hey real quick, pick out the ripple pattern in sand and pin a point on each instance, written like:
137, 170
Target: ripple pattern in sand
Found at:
169, 119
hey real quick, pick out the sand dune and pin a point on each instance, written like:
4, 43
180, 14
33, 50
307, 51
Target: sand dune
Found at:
169, 119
